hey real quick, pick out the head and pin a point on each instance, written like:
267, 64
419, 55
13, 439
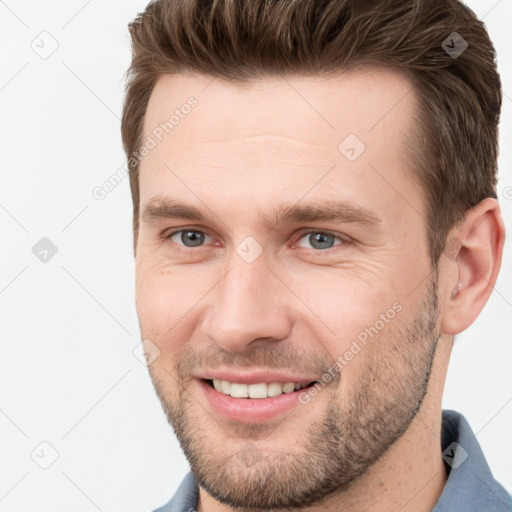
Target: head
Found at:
314, 199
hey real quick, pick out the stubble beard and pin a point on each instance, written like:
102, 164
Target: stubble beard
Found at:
336, 448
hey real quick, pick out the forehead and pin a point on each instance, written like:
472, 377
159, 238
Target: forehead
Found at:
317, 111
279, 132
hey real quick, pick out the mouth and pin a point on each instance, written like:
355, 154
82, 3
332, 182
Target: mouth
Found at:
249, 399
260, 390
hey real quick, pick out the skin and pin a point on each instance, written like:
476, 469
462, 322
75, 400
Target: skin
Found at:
240, 154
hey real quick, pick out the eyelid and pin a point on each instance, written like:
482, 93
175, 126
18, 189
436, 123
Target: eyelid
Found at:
172, 231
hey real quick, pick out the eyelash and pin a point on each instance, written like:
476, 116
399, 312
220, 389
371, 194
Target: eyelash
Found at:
343, 238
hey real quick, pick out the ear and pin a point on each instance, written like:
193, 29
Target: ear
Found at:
472, 259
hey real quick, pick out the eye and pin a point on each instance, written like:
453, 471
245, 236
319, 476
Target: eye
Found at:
317, 240
188, 237
320, 240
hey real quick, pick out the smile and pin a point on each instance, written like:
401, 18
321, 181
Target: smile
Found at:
257, 390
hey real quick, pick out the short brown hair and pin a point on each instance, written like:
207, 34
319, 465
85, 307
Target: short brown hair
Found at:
456, 143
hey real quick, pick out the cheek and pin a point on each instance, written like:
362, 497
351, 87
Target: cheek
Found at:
345, 302
356, 317
166, 302
153, 307
369, 356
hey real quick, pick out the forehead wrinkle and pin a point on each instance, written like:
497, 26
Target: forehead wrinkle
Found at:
269, 144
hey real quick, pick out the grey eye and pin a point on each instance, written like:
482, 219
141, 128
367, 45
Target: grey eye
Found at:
189, 238
320, 240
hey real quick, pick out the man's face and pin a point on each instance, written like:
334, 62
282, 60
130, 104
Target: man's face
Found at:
263, 289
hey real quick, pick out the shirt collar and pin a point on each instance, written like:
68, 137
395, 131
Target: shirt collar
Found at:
470, 485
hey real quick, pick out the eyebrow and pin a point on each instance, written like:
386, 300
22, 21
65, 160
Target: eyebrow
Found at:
318, 211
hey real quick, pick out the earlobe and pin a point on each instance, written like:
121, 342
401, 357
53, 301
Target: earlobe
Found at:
473, 255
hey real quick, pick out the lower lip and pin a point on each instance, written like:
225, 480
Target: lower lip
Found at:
250, 410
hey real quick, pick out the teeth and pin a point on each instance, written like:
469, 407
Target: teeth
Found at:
260, 390
239, 390
288, 387
225, 387
275, 389
257, 390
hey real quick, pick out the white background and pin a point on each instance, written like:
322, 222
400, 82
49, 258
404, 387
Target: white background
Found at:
68, 373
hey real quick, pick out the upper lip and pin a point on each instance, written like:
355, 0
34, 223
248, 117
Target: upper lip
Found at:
254, 377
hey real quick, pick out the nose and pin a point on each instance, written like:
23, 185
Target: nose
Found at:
248, 307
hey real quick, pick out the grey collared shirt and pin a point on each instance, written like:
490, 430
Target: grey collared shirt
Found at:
470, 486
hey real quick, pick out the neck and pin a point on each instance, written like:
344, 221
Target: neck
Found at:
410, 477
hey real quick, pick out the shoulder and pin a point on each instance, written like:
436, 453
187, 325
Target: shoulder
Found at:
185, 498
470, 485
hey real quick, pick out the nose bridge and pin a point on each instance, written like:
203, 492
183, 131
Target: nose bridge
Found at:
246, 306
